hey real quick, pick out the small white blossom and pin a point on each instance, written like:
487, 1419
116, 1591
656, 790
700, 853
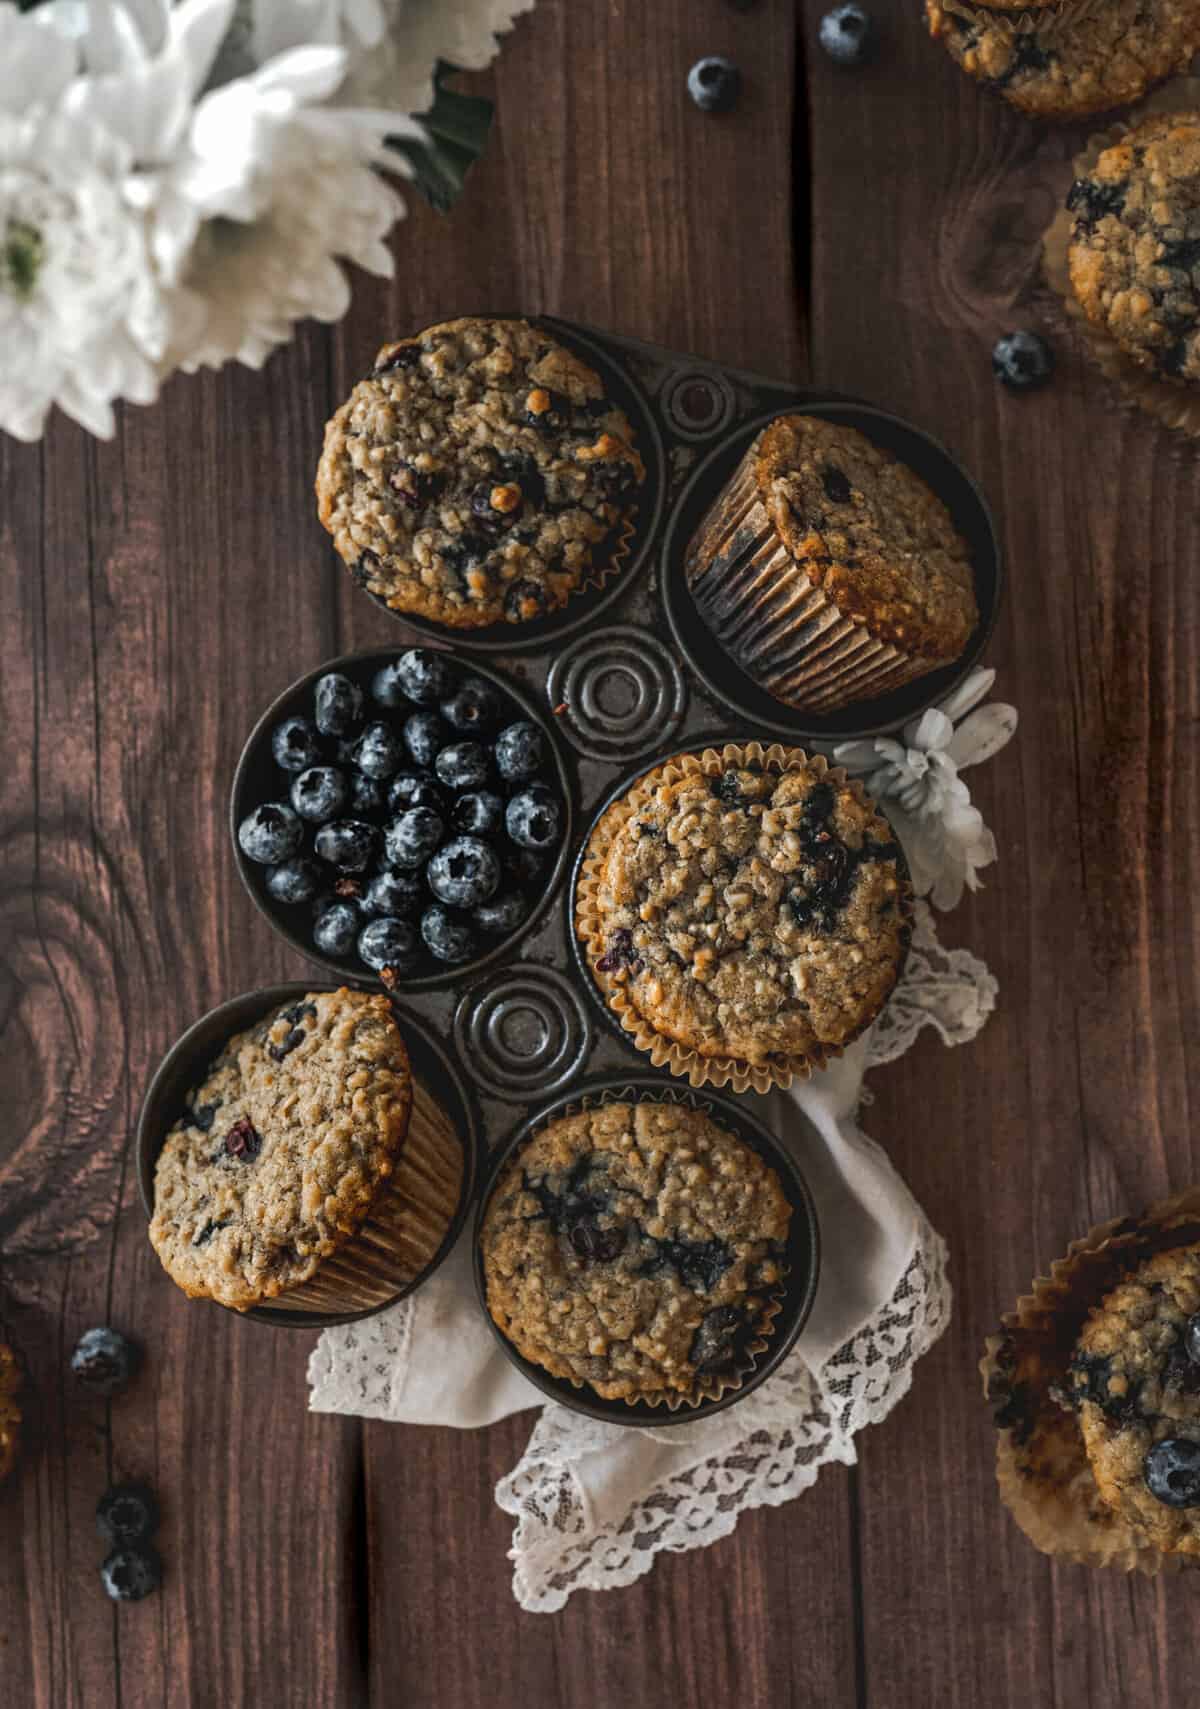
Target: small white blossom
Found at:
916, 781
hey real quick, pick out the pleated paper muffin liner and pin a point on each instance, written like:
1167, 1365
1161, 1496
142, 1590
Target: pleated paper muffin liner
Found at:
404, 1227
784, 631
1042, 1469
714, 1386
1175, 403
665, 1052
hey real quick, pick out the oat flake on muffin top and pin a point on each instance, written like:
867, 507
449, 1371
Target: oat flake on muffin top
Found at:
479, 475
634, 1247
1135, 249
282, 1147
757, 915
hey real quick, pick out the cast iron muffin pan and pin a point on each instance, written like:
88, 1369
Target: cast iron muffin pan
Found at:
801, 1258
620, 678
188, 1061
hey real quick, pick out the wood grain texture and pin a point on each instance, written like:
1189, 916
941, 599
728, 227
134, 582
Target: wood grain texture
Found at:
154, 592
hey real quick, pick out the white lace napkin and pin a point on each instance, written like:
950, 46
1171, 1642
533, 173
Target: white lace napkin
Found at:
594, 1503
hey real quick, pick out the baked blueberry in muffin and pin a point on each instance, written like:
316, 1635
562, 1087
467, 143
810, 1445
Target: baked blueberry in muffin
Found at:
480, 474
636, 1248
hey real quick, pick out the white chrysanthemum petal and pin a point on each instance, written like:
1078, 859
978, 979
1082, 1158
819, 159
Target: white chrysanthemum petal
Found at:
307, 73
983, 734
36, 64
968, 694
279, 25
113, 45
932, 730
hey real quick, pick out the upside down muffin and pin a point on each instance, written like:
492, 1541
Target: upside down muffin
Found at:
637, 1248
479, 474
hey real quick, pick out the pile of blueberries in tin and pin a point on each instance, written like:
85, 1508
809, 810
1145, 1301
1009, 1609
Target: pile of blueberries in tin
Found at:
417, 826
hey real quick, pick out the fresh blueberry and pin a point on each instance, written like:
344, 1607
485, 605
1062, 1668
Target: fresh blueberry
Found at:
1023, 361
476, 706
127, 1513
848, 34
297, 880
104, 1360
389, 943
270, 833
1191, 1339
502, 914
478, 812
380, 752
422, 676
347, 844
336, 928
714, 84
424, 734
1172, 1472
320, 793
520, 750
463, 765
464, 873
397, 893
131, 1573
533, 818
414, 789
413, 835
294, 744
366, 796
446, 937
339, 704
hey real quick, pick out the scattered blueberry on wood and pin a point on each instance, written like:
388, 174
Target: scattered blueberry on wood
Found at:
127, 1513
105, 1361
714, 84
132, 1572
1023, 361
847, 34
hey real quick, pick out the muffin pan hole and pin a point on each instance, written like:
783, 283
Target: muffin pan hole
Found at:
524, 1030
698, 405
621, 693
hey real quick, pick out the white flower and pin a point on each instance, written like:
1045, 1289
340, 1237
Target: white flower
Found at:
916, 782
82, 316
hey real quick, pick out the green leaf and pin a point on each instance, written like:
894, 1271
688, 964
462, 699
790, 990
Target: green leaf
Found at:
457, 126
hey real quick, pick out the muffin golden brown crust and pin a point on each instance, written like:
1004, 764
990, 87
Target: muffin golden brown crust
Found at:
637, 1248
869, 532
1134, 258
10, 1411
747, 912
479, 475
282, 1149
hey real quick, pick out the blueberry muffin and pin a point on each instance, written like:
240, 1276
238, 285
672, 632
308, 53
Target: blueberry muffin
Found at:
744, 915
1094, 1382
1135, 1382
828, 570
1135, 249
304, 1167
479, 475
1102, 56
638, 1249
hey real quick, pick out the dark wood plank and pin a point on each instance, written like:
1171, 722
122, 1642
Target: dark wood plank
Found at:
1073, 1104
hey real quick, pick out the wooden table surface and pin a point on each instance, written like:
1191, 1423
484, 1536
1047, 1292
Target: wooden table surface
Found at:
872, 231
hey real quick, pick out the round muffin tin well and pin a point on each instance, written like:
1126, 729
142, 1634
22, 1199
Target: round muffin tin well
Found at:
620, 679
801, 1258
189, 1059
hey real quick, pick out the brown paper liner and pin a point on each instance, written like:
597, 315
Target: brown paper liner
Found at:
719, 1383
783, 630
1042, 1470
1020, 21
1175, 403
666, 1052
404, 1227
